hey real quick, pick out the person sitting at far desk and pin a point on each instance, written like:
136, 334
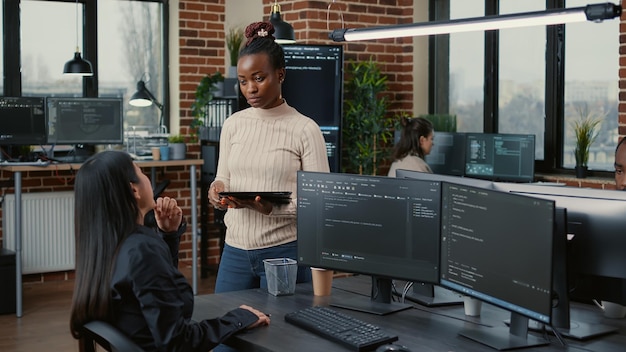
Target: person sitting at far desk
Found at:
126, 273
415, 143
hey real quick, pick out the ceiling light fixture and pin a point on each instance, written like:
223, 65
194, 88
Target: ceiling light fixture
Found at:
78, 66
594, 12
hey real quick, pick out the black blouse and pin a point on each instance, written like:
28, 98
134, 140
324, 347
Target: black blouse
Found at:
153, 302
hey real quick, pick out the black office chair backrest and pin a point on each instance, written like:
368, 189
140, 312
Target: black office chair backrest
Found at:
108, 337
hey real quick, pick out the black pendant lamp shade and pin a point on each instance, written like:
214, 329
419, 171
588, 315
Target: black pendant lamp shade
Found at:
283, 31
78, 66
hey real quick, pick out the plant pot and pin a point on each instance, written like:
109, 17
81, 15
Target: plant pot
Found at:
581, 171
178, 151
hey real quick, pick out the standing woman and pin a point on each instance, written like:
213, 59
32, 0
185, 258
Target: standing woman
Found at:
415, 143
261, 149
126, 273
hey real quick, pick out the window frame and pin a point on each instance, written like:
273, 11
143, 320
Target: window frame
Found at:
12, 45
554, 89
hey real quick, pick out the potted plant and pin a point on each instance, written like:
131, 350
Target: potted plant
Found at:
366, 130
205, 92
234, 40
585, 133
178, 148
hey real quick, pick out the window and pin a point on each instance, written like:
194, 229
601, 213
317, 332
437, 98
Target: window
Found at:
591, 86
467, 64
522, 59
510, 95
130, 49
129, 44
48, 42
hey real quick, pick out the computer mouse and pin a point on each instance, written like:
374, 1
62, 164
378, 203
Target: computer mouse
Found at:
393, 347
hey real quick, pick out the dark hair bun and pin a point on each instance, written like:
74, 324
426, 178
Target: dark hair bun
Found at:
259, 30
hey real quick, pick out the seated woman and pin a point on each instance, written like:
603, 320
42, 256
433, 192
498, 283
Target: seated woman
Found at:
126, 273
416, 141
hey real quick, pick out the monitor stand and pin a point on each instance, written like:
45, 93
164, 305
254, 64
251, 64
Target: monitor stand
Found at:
379, 303
502, 338
430, 295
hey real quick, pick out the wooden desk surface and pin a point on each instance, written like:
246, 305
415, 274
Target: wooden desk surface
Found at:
76, 166
420, 328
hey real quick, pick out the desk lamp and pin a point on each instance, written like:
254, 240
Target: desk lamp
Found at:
143, 98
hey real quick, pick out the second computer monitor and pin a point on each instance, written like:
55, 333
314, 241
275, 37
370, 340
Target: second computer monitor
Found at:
85, 120
447, 156
500, 157
491, 251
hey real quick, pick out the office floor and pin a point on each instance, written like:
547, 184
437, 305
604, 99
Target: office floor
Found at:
44, 325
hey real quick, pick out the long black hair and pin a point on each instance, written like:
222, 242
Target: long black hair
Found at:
412, 130
105, 213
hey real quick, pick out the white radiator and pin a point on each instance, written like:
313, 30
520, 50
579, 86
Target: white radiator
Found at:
47, 230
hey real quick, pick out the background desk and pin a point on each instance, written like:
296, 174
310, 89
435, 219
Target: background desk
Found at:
420, 329
17, 171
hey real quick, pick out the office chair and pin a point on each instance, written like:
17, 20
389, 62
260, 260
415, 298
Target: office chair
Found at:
108, 337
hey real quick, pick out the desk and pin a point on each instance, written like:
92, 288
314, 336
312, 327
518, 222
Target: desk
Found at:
17, 171
420, 329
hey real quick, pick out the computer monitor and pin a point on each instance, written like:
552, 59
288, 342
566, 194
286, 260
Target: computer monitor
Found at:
491, 252
595, 255
425, 293
380, 226
500, 157
85, 120
447, 156
22, 121
314, 86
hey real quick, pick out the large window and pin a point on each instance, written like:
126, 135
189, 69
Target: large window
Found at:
49, 40
128, 41
530, 80
467, 53
591, 86
521, 88
130, 49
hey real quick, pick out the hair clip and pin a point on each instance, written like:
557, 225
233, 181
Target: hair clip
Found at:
262, 32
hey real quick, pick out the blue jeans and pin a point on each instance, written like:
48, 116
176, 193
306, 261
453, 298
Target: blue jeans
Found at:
241, 269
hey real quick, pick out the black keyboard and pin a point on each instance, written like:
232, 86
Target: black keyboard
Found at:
339, 327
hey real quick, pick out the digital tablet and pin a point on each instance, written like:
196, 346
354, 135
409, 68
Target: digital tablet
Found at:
274, 197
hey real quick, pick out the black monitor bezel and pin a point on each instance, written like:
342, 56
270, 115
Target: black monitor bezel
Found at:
119, 138
388, 274
33, 137
529, 177
512, 307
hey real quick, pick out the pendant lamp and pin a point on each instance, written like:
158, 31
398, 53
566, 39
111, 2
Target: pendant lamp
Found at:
77, 66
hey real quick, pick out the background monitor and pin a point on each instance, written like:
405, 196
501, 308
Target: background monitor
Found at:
85, 120
596, 222
380, 226
314, 85
22, 121
490, 252
447, 156
500, 157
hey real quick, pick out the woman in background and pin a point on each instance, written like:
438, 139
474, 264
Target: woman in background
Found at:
416, 141
126, 273
261, 150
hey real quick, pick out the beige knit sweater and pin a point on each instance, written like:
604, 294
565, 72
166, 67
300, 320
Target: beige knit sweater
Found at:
262, 150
